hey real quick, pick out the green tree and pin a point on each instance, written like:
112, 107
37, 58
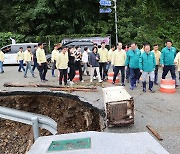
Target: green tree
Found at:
138, 20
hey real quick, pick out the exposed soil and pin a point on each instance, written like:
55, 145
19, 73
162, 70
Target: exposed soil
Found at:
71, 115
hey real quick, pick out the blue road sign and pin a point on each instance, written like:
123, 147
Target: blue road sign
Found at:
107, 10
105, 2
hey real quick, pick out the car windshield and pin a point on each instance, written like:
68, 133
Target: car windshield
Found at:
6, 49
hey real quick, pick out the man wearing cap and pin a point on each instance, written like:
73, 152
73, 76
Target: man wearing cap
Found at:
28, 61
42, 62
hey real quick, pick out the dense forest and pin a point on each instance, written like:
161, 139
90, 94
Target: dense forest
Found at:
138, 20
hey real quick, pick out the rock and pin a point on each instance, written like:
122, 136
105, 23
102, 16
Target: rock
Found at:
6, 140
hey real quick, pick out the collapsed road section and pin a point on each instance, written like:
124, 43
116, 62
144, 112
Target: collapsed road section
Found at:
70, 113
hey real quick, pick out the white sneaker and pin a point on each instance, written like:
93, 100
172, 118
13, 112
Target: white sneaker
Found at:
94, 77
91, 80
100, 81
82, 81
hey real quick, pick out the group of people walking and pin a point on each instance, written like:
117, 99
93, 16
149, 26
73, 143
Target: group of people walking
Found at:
144, 62
131, 61
37, 56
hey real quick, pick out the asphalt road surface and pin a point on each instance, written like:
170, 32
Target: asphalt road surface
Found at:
160, 110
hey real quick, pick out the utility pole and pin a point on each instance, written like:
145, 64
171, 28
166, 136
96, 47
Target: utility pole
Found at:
115, 15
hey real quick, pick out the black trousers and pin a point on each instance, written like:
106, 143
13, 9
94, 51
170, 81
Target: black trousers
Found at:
102, 70
35, 63
95, 73
168, 68
78, 67
72, 72
63, 74
140, 73
156, 73
116, 71
134, 75
42, 70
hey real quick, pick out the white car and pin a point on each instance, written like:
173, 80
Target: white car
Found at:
10, 51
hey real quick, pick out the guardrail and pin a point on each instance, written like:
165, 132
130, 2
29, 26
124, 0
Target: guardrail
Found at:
36, 120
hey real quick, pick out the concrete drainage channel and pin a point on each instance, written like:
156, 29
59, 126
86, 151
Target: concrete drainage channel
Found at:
70, 113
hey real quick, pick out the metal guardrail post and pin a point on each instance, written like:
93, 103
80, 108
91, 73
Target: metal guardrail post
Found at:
35, 126
36, 120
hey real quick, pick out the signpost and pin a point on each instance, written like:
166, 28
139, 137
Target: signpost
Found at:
108, 10
115, 15
105, 2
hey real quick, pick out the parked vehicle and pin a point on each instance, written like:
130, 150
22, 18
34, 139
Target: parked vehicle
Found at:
10, 51
80, 43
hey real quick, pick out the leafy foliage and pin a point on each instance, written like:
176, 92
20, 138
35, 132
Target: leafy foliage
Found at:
138, 20
5, 38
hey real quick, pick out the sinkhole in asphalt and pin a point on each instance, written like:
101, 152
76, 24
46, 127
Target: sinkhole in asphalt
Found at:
70, 113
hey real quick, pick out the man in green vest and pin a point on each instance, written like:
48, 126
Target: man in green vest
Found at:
147, 64
168, 55
132, 59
